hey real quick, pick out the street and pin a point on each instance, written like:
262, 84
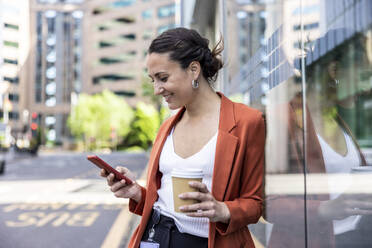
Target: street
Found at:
59, 200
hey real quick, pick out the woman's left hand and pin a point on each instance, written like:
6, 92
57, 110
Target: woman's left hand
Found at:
208, 206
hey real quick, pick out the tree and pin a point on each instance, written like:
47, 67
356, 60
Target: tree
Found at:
145, 126
148, 91
94, 118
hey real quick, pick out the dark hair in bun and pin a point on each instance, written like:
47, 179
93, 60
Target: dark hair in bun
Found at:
187, 45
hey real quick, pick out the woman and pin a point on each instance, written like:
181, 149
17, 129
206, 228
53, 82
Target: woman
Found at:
335, 212
226, 139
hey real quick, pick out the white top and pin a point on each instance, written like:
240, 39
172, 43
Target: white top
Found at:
336, 163
204, 159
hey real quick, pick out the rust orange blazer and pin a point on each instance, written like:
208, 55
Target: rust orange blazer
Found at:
237, 176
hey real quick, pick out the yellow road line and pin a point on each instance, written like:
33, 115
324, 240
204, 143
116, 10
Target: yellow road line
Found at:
118, 229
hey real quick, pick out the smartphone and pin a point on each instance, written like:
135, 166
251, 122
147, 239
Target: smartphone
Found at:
103, 165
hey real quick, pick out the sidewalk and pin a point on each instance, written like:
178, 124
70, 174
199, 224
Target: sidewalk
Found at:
79, 191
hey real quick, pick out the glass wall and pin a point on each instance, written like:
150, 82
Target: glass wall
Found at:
307, 65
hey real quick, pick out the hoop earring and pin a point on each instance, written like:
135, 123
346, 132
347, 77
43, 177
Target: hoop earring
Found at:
195, 84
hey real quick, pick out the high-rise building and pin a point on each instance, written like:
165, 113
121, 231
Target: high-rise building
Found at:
88, 46
117, 34
14, 74
55, 63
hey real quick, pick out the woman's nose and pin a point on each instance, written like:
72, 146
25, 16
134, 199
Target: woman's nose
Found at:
158, 89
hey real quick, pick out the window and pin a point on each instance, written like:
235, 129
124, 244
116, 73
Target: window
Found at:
125, 93
102, 28
11, 80
51, 101
129, 36
11, 26
147, 14
125, 20
306, 26
311, 26
122, 3
11, 61
111, 78
166, 11
13, 115
103, 44
14, 97
11, 43
110, 60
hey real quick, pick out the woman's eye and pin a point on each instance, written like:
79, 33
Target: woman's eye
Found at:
164, 79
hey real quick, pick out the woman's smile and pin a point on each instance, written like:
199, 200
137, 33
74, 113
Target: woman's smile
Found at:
167, 97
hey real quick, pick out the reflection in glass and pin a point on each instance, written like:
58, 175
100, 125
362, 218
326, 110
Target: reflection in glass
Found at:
335, 91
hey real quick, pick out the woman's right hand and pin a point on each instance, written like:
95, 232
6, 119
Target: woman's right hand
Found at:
120, 188
344, 206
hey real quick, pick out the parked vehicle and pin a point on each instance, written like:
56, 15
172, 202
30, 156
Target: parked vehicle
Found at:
2, 162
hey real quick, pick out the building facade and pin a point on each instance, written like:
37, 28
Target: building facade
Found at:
310, 73
77, 46
118, 33
14, 74
55, 65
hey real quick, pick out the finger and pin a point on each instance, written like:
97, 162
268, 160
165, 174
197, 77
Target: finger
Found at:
103, 173
110, 179
118, 185
122, 169
208, 214
363, 204
358, 211
199, 186
199, 196
126, 192
198, 206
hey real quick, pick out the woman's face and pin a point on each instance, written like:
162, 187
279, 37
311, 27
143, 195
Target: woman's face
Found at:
170, 80
332, 70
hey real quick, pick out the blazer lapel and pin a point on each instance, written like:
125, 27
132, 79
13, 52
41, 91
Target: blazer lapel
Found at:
156, 150
225, 149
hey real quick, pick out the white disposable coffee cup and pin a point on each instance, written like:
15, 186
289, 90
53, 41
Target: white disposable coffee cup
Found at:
362, 169
180, 184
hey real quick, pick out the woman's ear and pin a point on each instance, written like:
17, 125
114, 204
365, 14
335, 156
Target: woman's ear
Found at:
195, 69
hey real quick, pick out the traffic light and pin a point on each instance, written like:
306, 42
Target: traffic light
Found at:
34, 124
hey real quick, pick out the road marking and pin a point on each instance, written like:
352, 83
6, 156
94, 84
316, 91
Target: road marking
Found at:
118, 229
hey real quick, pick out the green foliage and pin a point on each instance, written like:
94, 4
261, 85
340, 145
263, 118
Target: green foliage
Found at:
36, 141
148, 91
145, 126
236, 98
96, 118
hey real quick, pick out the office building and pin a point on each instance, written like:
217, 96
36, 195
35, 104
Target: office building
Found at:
55, 64
117, 35
14, 73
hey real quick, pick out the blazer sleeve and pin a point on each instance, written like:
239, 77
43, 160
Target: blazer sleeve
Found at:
137, 207
247, 207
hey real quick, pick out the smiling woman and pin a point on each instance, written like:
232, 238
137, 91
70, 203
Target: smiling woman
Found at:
223, 140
